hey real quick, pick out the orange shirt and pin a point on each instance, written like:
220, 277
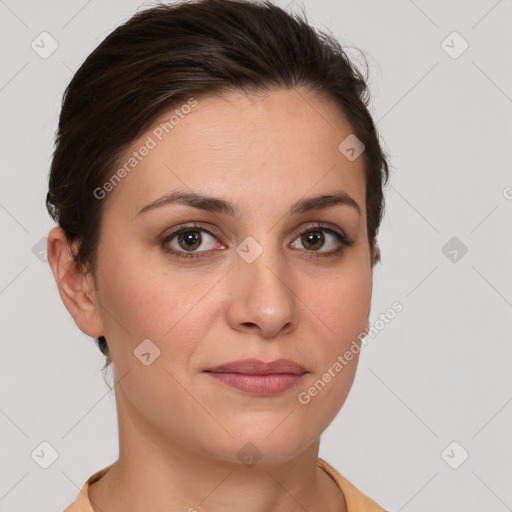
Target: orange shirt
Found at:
356, 500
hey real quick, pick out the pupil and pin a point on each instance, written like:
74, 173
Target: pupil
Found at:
314, 239
192, 239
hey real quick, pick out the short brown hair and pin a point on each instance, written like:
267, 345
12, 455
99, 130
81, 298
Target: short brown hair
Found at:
165, 54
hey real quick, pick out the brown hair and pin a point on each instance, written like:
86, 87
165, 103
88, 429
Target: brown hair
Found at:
162, 56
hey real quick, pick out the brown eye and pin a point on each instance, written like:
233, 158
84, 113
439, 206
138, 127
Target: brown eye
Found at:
189, 240
313, 240
317, 238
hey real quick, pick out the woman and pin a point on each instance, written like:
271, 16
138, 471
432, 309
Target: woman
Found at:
218, 187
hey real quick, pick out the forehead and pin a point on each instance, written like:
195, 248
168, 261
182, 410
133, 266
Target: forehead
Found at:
250, 147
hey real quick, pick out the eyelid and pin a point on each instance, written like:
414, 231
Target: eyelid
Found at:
194, 225
326, 226
210, 228
183, 228
344, 240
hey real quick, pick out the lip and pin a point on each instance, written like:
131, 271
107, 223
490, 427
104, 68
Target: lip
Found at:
257, 367
258, 377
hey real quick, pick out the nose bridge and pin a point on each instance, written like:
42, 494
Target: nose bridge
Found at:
263, 281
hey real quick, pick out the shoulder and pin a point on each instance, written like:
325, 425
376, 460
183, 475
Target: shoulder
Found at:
82, 502
356, 500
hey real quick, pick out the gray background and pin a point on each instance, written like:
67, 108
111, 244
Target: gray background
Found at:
439, 372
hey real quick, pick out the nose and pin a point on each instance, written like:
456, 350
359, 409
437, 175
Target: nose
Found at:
263, 300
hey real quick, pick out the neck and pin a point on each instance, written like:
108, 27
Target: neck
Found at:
156, 473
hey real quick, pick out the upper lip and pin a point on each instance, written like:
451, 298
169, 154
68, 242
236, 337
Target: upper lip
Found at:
257, 367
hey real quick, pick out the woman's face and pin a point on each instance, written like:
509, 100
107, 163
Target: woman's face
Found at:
252, 285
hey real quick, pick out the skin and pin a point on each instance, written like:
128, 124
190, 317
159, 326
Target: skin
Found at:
180, 429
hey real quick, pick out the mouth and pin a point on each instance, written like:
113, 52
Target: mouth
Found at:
257, 377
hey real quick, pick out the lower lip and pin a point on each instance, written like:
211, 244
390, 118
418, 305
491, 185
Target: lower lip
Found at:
258, 384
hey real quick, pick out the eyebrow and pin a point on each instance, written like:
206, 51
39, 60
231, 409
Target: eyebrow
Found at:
222, 206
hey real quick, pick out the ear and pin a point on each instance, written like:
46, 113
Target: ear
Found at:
376, 255
76, 289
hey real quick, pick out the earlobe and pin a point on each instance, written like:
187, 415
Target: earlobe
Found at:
376, 255
75, 287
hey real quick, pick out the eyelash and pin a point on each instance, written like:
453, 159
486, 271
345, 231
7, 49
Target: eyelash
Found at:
341, 237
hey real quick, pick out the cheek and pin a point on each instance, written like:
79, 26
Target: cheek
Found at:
167, 314
141, 300
156, 395
343, 303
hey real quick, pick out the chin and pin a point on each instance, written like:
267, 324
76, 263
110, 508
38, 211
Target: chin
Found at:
262, 443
